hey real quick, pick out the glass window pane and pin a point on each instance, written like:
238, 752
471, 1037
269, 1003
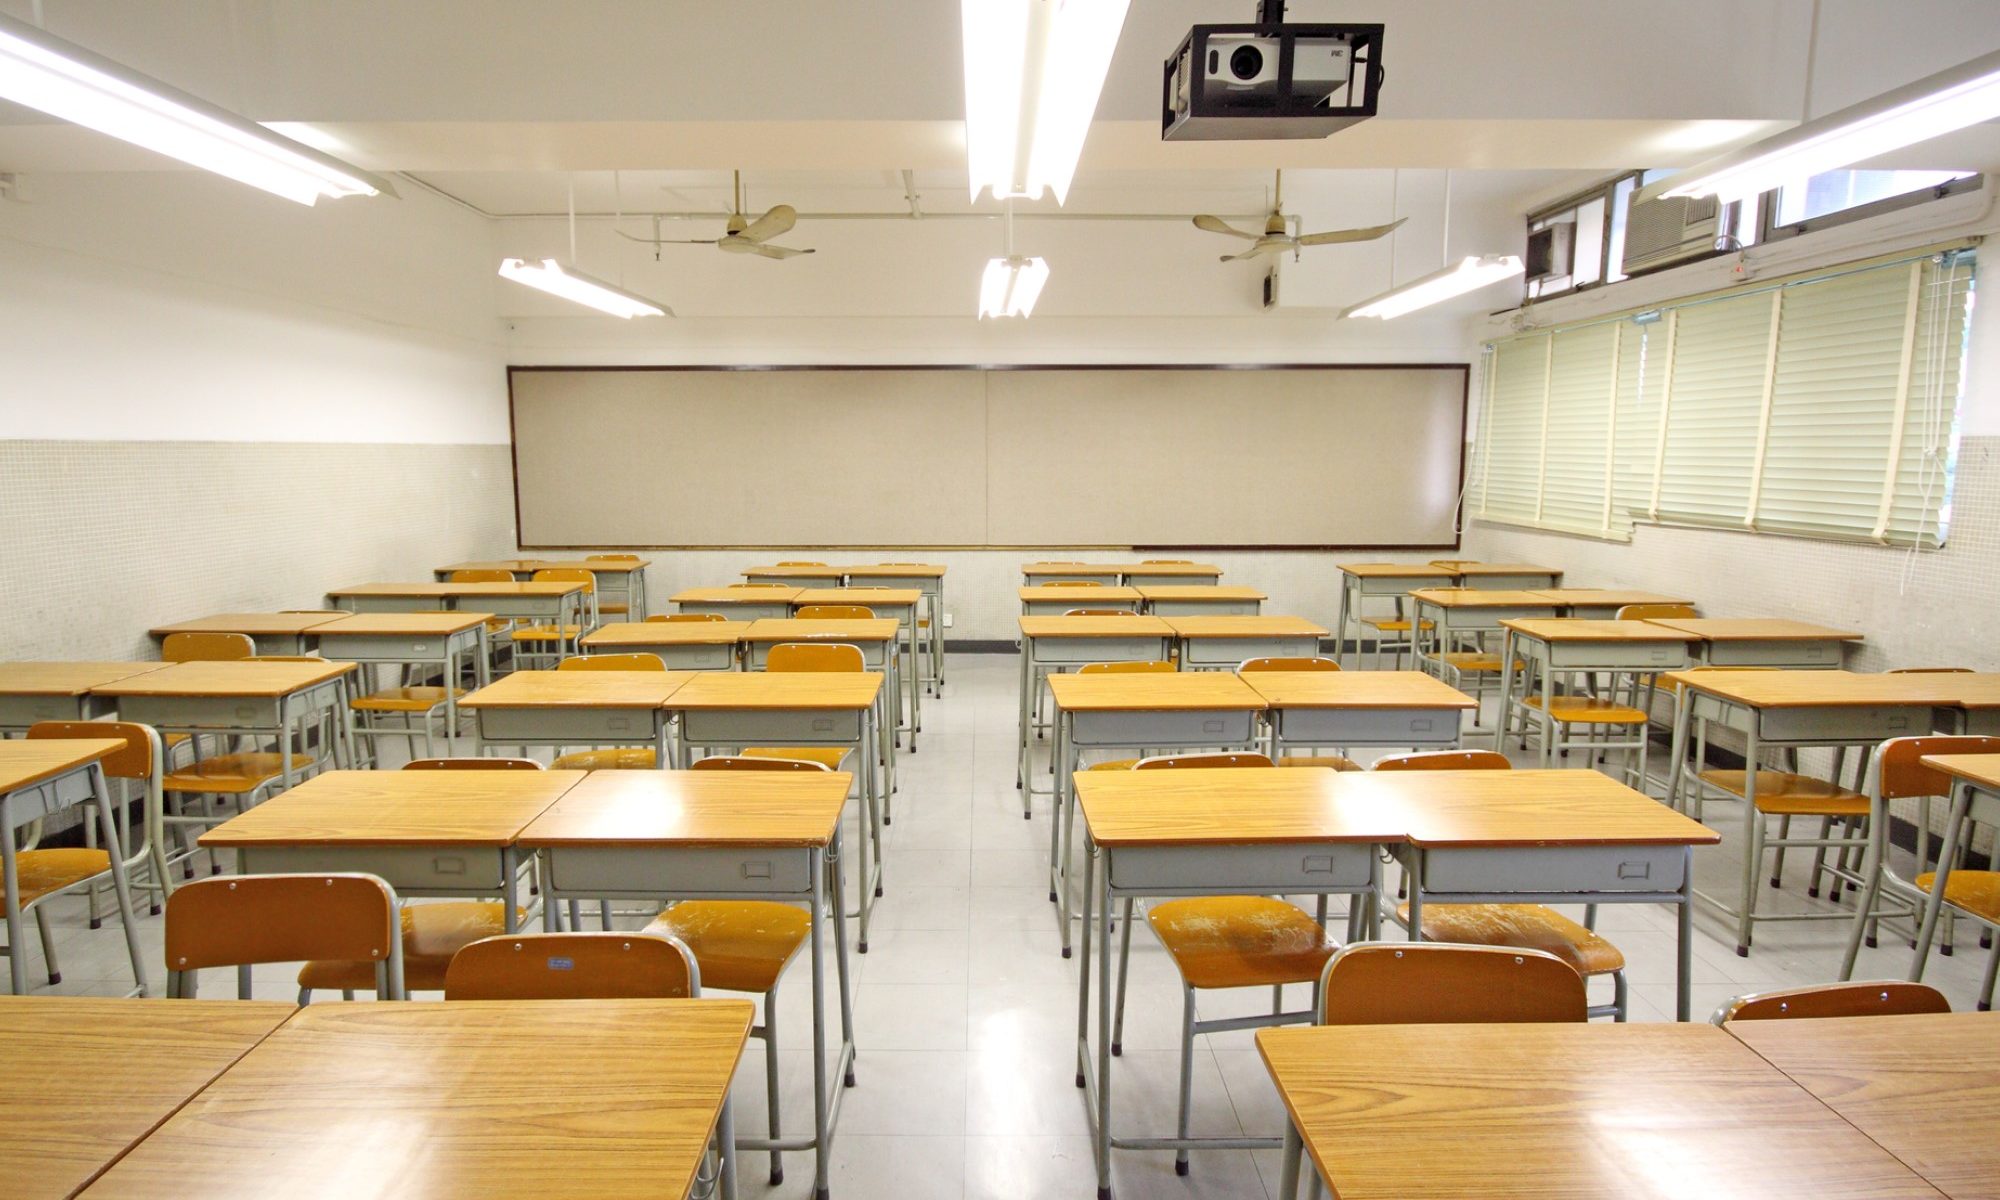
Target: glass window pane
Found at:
1837, 191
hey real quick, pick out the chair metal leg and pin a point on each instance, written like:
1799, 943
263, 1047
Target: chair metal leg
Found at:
1124, 958
1753, 855
1187, 1074
771, 1079
48, 945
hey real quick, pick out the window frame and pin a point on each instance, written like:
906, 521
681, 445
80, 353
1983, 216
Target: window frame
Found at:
1768, 229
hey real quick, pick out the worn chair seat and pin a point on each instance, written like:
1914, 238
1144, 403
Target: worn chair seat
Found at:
741, 945
614, 758
233, 774
1782, 793
405, 699
43, 872
829, 757
547, 633
1338, 762
1974, 891
1474, 661
1521, 927
1586, 710
1241, 941
432, 933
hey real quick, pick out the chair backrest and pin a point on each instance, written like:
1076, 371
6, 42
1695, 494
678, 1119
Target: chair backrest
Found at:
799, 562
472, 764
1445, 760
139, 758
1862, 999
1438, 983
1144, 667
206, 647
241, 920
1288, 664
568, 575
1073, 583
1166, 561
1656, 612
482, 575
611, 558
1929, 671
834, 612
1098, 612
311, 658
736, 762
613, 662
1896, 772
834, 657
788, 587
1169, 762
669, 618
572, 966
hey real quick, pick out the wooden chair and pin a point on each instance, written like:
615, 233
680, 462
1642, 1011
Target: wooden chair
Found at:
1435, 983
834, 612
832, 657
613, 662
1314, 663
616, 608
421, 707
666, 618
1657, 612
610, 758
241, 920
206, 647
42, 873
1392, 633
472, 764
573, 966
562, 639
481, 575
1877, 999
1535, 927
497, 628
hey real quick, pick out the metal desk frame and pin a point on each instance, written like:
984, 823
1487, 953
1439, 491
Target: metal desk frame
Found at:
1038, 655
81, 784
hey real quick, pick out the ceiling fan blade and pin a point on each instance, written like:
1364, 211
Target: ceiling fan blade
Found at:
1367, 234
777, 251
1265, 245
1218, 225
771, 224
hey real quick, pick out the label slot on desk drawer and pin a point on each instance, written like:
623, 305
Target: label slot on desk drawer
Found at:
1530, 870
1251, 869
585, 870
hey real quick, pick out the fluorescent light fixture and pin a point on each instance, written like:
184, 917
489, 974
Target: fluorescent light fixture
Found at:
1469, 275
1011, 285
68, 81
1033, 72
1964, 95
571, 284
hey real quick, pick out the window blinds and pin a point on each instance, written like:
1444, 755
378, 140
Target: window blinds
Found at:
1820, 406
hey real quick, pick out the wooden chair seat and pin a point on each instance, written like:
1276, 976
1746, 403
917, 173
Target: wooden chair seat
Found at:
607, 609
432, 933
1337, 762
404, 699
548, 633
1393, 624
614, 758
1469, 662
1586, 710
1521, 927
1241, 941
1116, 764
1974, 891
829, 757
1784, 794
740, 945
42, 872
233, 774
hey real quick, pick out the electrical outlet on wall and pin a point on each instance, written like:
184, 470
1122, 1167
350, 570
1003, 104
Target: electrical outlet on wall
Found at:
947, 620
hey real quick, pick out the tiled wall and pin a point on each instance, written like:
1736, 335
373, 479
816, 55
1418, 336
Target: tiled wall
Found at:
103, 540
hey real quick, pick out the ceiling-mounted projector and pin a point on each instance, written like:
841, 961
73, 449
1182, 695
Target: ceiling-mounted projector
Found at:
1270, 79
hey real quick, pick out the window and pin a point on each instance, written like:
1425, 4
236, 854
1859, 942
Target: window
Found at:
1836, 192
1819, 406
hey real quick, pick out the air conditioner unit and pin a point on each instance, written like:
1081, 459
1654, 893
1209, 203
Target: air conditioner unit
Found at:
1661, 231
1549, 250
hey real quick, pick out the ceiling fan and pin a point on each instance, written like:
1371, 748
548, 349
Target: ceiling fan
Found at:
743, 236
1274, 239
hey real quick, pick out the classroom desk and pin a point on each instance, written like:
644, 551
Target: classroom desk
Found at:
1602, 604
1581, 1111
1107, 574
875, 637
681, 645
84, 1078
1202, 600
40, 778
1394, 581
1537, 837
1503, 576
272, 633
624, 579
716, 835
1346, 709
1976, 702
1182, 710
428, 833
1924, 1088
1223, 643
1552, 649
738, 604
798, 576
1051, 600
1975, 794
1763, 642
441, 640
900, 603
1144, 574
32, 692
925, 577
1059, 643
500, 1099
270, 701
1467, 613
1246, 831
577, 708
554, 603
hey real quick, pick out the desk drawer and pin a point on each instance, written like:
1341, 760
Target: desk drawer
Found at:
757, 728
1532, 869
19, 712
873, 655
776, 610
1848, 724
1056, 608
350, 648
391, 604
683, 657
678, 870
1255, 870
1163, 728
541, 726
49, 797
1613, 656
201, 712
1230, 652
1366, 727
1206, 608
1797, 655
412, 869
1099, 649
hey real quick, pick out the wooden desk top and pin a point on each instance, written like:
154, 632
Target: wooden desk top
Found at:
1467, 567
1818, 689
1392, 570
1610, 596
1482, 598
1355, 689
750, 595
1519, 808
1199, 591
1245, 627
24, 763
1226, 806
421, 624
780, 690
1756, 629
1180, 691
665, 633
546, 564
798, 572
1514, 1112
1980, 770
1191, 570
66, 678
83, 1078
250, 679
695, 808
580, 689
1924, 1088
860, 629
500, 1099
1047, 593
439, 591
1578, 629
1063, 568
896, 570
398, 808
1095, 627
254, 624
1975, 689
892, 597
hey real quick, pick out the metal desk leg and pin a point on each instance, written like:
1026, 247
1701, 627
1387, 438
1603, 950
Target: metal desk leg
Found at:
1961, 803
1340, 624
1103, 1032
1683, 718
17, 946
1684, 950
916, 693
725, 1148
510, 889
822, 1127
1021, 761
840, 962
1061, 823
1288, 1173
101, 790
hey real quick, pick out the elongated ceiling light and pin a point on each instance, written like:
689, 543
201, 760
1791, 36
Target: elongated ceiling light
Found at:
68, 81
1964, 95
571, 284
1467, 275
1033, 72
1011, 285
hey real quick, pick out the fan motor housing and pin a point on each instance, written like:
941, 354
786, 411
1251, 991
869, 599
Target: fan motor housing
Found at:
1265, 82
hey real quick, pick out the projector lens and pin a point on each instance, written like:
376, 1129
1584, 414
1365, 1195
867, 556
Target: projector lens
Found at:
1245, 62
